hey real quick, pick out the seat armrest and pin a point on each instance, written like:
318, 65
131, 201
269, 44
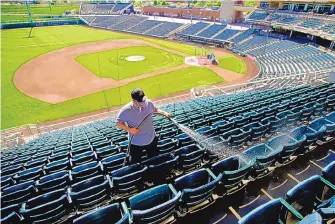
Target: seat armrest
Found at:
173, 189
291, 209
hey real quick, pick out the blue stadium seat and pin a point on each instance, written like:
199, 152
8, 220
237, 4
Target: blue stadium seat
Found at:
59, 156
11, 170
35, 163
46, 208
160, 167
196, 187
10, 214
21, 160
81, 149
265, 158
113, 213
329, 172
223, 126
234, 170
206, 131
274, 123
286, 146
314, 218
154, 205
128, 179
6, 181
101, 143
29, 174
106, 151
57, 166
325, 128
311, 138
54, 181
166, 145
310, 193
83, 158
190, 156
91, 192
113, 162
274, 211
86, 171
18, 193
236, 137
255, 130
184, 139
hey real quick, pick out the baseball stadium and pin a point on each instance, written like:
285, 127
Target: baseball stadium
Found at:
167, 111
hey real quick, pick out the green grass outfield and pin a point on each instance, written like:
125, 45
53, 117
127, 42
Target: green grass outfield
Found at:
18, 109
39, 9
233, 63
113, 63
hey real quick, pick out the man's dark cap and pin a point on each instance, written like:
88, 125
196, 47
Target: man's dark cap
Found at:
138, 95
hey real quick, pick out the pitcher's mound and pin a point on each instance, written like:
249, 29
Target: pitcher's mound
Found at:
135, 58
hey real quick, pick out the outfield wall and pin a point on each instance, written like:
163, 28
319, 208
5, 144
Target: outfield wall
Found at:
39, 24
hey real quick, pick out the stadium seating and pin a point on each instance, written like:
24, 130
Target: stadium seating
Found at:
164, 29
194, 28
196, 187
128, 179
154, 205
190, 156
17, 194
274, 211
160, 167
309, 194
54, 181
227, 34
234, 170
103, 8
82, 166
91, 192
211, 31
144, 26
113, 213
49, 207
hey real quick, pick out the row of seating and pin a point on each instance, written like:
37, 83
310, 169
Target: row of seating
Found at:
103, 8
292, 19
290, 57
316, 193
159, 203
187, 160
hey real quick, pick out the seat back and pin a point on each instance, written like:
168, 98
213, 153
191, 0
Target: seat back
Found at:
106, 214
17, 193
190, 156
46, 208
154, 205
85, 171
90, 192
233, 171
197, 186
160, 166
128, 179
114, 162
55, 181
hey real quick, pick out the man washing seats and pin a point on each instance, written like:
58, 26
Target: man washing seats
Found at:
131, 116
